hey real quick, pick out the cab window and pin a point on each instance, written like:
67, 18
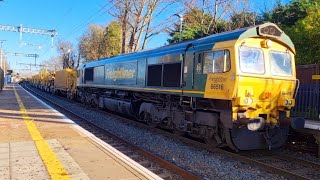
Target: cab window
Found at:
280, 63
88, 74
216, 62
251, 60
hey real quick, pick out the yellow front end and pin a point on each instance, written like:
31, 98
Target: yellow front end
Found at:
266, 81
263, 97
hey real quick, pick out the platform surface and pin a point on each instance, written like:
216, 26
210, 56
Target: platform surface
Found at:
310, 124
37, 142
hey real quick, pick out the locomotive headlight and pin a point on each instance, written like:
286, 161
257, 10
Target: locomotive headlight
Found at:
287, 102
266, 43
248, 101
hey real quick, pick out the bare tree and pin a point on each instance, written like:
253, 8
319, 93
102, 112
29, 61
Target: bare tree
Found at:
68, 55
53, 64
90, 43
219, 11
101, 41
137, 18
242, 16
124, 8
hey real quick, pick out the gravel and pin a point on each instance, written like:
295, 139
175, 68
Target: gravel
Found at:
302, 155
205, 164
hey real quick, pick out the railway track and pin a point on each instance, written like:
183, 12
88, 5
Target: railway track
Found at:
286, 165
157, 165
275, 163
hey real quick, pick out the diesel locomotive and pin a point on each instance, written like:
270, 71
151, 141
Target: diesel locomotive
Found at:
231, 89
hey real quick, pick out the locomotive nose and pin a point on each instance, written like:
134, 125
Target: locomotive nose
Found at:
255, 124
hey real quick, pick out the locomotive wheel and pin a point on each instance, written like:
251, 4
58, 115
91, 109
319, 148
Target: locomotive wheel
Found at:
210, 140
177, 131
96, 103
149, 121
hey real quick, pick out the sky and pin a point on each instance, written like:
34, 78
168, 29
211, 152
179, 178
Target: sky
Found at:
70, 18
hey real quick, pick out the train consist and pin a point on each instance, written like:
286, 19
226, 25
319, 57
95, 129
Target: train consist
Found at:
231, 89
62, 82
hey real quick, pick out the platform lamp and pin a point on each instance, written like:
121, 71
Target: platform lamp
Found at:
65, 64
181, 21
1, 52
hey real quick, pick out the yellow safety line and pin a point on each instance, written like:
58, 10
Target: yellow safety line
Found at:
52, 163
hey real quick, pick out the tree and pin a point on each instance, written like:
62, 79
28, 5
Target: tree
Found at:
54, 63
101, 42
69, 57
243, 19
300, 20
90, 46
123, 8
137, 21
206, 17
194, 26
305, 34
112, 39
287, 15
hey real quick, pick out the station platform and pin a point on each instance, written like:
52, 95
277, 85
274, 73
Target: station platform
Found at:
312, 127
310, 124
37, 142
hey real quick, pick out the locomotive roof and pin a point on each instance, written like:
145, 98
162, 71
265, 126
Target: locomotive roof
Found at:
205, 43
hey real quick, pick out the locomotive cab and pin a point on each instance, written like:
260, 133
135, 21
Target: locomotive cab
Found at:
256, 75
266, 87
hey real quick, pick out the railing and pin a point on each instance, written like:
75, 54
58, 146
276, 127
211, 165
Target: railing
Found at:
308, 102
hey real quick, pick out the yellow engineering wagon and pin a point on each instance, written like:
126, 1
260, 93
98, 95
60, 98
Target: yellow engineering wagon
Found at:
65, 82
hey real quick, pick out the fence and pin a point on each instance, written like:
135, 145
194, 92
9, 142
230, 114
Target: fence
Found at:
308, 97
307, 102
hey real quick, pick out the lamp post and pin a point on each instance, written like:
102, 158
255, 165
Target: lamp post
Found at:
69, 53
1, 61
64, 59
181, 21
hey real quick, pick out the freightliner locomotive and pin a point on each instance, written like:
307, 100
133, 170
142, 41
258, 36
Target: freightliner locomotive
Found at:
231, 89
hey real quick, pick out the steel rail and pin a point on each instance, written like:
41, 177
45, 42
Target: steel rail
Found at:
185, 174
264, 166
241, 158
298, 160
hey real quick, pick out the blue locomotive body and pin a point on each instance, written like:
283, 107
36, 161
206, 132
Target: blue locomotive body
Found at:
141, 71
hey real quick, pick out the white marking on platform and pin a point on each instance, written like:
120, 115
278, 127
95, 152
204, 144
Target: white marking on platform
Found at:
312, 125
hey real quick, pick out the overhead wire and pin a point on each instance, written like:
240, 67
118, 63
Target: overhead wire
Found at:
99, 13
91, 18
66, 13
86, 22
